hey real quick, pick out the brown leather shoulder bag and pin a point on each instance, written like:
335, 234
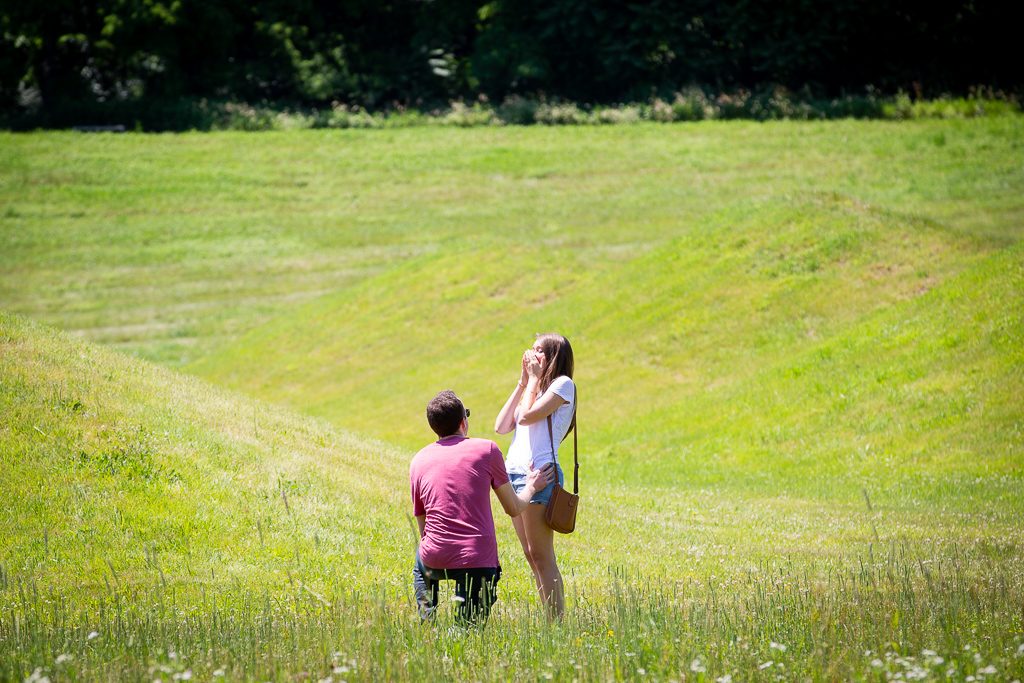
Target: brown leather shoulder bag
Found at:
560, 513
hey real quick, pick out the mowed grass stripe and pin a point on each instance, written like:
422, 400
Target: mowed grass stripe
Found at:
94, 217
745, 290
893, 404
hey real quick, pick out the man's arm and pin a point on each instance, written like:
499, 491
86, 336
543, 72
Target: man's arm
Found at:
421, 520
514, 504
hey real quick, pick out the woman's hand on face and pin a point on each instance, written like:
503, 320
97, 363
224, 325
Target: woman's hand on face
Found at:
524, 376
533, 367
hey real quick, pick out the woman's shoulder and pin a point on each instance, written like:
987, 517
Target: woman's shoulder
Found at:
563, 383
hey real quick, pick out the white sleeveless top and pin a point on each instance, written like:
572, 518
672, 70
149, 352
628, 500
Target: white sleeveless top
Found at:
531, 444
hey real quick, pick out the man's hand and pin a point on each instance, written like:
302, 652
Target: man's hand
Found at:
537, 480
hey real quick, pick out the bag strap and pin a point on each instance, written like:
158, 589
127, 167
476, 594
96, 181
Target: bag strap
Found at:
575, 456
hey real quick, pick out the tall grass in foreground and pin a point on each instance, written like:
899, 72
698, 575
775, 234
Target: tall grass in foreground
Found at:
894, 615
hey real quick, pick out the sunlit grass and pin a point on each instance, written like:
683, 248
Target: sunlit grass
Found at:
170, 246
900, 615
800, 353
161, 527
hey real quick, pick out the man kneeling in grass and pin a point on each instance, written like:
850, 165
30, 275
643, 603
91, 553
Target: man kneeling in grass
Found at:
451, 482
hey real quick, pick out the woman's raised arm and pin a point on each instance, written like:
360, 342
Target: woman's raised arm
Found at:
506, 420
542, 407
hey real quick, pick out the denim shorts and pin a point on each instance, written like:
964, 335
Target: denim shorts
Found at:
542, 497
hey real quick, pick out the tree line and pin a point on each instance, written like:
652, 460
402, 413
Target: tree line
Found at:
62, 60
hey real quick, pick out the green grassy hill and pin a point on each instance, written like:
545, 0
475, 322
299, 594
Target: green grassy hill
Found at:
172, 246
155, 524
800, 350
117, 470
789, 347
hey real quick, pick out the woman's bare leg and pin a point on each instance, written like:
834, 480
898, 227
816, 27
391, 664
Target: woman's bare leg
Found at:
541, 554
520, 527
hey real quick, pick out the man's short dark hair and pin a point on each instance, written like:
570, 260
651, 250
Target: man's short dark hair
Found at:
445, 413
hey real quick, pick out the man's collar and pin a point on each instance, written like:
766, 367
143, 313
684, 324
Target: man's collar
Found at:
452, 436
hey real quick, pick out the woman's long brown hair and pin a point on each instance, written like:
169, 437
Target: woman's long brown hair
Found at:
558, 354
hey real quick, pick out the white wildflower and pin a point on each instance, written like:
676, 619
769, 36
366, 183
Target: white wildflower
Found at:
777, 646
340, 669
927, 653
877, 663
37, 676
916, 673
642, 671
765, 665
92, 635
727, 678
218, 673
697, 666
62, 658
1020, 650
988, 670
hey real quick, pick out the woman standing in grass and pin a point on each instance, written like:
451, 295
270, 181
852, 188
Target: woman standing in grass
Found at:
545, 392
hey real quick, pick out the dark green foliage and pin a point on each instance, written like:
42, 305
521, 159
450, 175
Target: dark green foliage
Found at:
136, 62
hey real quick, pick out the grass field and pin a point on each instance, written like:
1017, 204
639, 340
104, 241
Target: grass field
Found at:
800, 349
